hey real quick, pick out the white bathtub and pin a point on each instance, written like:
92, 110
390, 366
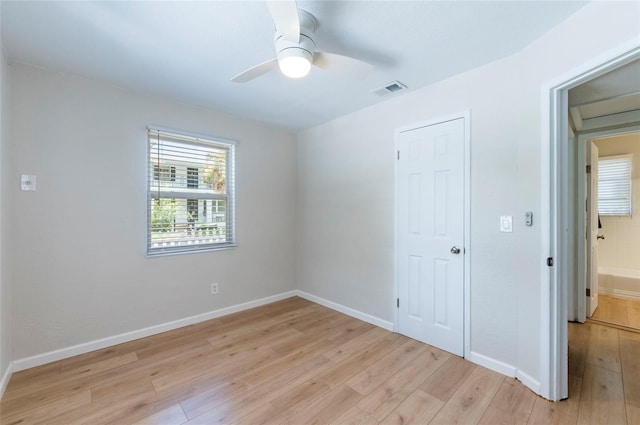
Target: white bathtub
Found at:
623, 283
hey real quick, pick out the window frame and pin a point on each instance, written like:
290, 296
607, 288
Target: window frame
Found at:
629, 204
155, 134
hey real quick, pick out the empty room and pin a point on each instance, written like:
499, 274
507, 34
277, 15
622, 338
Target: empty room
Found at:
219, 212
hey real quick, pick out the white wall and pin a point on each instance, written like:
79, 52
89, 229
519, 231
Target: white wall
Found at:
621, 246
80, 271
346, 188
5, 246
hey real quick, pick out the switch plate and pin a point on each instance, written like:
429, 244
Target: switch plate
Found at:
506, 223
27, 182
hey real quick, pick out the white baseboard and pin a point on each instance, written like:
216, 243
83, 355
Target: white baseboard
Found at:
86, 347
493, 364
6, 376
620, 293
528, 381
505, 369
384, 324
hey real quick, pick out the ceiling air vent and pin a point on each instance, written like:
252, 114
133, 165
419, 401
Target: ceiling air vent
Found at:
393, 87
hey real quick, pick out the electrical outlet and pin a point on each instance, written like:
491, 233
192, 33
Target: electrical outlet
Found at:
214, 289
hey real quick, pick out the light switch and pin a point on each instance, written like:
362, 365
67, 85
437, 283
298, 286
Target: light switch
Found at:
506, 223
27, 182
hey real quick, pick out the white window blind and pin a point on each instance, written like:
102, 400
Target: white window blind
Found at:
614, 185
190, 193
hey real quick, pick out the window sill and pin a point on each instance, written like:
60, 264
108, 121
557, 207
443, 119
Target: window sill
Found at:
191, 251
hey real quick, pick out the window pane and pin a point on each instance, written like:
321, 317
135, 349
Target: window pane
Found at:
184, 222
192, 177
614, 185
190, 191
215, 172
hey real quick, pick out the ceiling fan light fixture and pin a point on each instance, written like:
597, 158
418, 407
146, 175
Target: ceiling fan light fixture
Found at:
295, 62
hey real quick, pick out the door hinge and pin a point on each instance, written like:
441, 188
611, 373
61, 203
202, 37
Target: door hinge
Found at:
588, 292
588, 169
550, 261
398, 155
397, 302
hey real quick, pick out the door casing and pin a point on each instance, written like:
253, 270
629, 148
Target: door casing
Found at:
554, 241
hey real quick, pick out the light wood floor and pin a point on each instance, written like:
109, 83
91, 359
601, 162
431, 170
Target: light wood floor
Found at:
295, 362
619, 311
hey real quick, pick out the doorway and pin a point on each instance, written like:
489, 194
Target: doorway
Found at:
618, 260
559, 200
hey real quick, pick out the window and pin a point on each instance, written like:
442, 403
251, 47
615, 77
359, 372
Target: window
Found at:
192, 177
190, 193
165, 174
614, 185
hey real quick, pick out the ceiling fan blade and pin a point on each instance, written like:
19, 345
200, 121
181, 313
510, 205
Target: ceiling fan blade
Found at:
285, 16
255, 71
345, 65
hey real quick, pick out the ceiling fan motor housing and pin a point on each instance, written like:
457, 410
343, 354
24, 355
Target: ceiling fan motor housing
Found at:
305, 47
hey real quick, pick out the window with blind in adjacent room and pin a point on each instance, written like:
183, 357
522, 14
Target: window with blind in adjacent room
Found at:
614, 185
190, 193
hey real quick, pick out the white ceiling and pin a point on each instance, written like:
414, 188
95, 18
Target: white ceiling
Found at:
610, 100
188, 51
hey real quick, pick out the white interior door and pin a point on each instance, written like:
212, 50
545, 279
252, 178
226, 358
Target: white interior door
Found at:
592, 234
430, 196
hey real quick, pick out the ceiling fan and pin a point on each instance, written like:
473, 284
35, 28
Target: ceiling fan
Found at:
296, 48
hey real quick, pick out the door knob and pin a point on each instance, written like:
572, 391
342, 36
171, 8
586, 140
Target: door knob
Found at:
455, 250
600, 236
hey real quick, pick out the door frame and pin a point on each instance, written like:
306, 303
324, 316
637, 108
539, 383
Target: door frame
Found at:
555, 219
466, 117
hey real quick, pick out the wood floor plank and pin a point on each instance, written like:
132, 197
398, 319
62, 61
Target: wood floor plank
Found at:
44, 412
377, 373
388, 395
418, 408
630, 358
290, 366
598, 313
618, 311
325, 410
469, 402
446, 381
614, 310
604, 348
355, 416
23, 377
633, 307
633, 414
356, 344
209, 399
602, 397
324, 337
124, 413
249, 405
264, 415
578, 347
75, 378
512, 405
564, 412
216, 368
360, 360
170, 416
297, 398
